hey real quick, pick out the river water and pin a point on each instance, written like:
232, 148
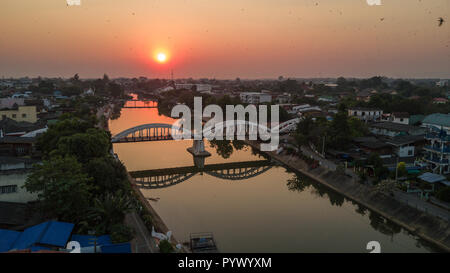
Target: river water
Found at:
275, 211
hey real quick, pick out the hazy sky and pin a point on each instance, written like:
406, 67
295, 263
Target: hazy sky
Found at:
225, 39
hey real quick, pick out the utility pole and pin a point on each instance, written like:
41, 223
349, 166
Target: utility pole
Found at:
323, 147
396, 170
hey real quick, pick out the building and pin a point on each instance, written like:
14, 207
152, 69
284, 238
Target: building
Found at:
400, 117
442, 83
9, 103
391, 129
255, 97
440, 100
22, 113
406, 146
437, 152
365, 114
365, 94
202, 88
438, 121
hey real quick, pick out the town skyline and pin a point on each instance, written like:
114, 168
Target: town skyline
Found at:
296, 39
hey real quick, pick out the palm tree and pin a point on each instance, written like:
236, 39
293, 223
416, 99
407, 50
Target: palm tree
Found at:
108, 210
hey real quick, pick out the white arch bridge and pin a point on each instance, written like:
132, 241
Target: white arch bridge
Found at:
162, 131
162, 178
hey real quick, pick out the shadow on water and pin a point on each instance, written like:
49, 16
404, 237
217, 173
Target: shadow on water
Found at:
300, 183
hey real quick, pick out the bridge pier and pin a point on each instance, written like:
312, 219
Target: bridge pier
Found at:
199, 153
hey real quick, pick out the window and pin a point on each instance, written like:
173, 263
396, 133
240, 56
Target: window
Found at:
3, 116
24, 115
8, 189
14, 115
410, 152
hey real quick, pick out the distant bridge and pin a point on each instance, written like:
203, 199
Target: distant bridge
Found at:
140, 104
162, 178
162, 131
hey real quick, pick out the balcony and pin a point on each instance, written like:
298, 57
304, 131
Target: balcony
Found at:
430, 148
436, 160
435, 136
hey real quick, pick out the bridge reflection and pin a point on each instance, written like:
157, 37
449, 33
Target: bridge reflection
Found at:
162, 178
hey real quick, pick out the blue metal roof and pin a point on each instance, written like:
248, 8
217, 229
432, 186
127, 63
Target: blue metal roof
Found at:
48, 233
57, 234
117, 248
30, 236
7, 239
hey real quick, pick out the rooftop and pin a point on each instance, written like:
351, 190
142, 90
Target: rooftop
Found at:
391, 126
438, 119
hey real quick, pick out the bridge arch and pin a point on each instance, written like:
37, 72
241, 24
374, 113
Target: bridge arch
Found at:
151, 131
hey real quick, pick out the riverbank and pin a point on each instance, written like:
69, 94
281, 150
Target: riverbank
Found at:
430, 228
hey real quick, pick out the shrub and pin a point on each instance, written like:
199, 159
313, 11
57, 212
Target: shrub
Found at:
121, 233
148, 220
444, 194
165, 247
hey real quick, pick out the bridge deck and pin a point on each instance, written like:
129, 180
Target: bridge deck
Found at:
193, 169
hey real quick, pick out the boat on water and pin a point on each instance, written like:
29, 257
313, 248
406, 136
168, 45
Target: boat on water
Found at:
203, 242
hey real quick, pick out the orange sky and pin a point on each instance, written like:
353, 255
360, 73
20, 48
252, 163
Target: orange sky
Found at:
225, 39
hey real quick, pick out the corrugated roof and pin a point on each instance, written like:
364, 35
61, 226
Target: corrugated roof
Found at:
57, 234
438, 119
48, 233
431, 177
7, 239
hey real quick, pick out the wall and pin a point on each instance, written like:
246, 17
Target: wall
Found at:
24, 113
21, 196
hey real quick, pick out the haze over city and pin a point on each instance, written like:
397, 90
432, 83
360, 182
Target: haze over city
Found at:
225, 39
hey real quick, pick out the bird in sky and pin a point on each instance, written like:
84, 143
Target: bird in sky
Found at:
441, 21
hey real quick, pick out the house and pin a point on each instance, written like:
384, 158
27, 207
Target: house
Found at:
406, 146
13, 174
255, 97
9, 127
400, 117
440, 100
392, 129
23, 113
17, 146
365, 94
9, 103
372, 145
365, 114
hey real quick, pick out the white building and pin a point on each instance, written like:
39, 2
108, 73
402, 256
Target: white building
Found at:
366, 114
400, 117
255, 98
202, 88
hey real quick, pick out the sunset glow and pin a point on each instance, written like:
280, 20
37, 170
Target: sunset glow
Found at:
161, 57
225, 39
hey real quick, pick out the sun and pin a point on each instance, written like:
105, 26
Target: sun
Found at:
161, 57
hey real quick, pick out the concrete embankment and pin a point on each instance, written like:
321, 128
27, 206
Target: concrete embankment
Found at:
421, 224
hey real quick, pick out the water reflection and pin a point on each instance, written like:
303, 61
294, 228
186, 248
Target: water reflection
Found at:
275, 211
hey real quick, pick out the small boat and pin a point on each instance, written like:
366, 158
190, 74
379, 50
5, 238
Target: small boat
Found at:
203, 243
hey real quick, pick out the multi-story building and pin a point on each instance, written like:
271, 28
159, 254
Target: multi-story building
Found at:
22, 113
437, 152
366, 114
255, 97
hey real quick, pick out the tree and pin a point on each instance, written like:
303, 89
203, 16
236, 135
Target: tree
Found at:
108, 174
108, 210
84, 146
62, 187
401, 169
67, 126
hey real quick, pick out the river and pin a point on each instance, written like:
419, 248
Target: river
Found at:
274, 211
